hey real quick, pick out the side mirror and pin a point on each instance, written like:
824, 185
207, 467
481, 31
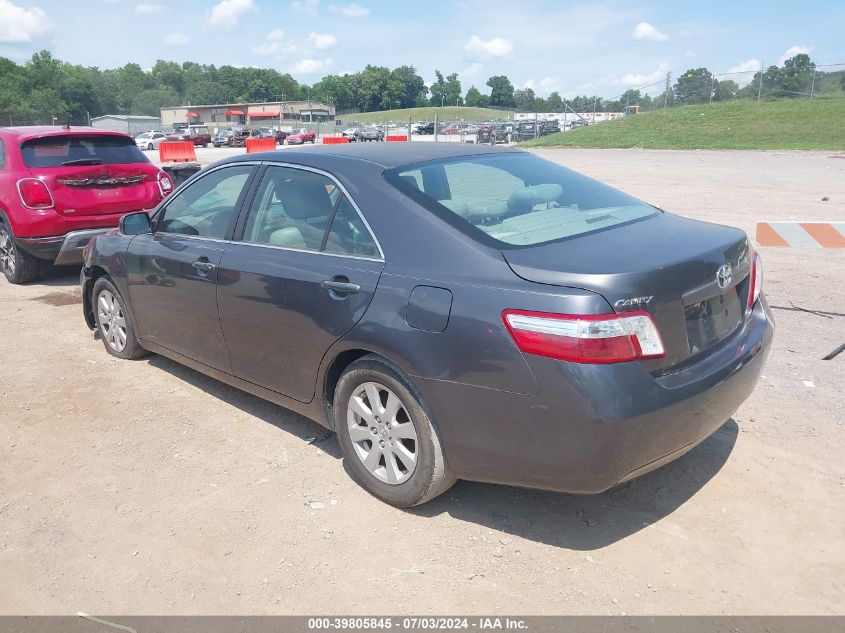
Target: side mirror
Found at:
136, 223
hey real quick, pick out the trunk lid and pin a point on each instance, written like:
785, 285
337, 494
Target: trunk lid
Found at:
664, 264
93, 174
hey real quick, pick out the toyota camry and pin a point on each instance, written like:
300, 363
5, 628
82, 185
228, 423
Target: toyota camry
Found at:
450, 311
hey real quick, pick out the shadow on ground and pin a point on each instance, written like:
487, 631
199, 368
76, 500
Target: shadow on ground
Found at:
569, 521
284, 419
588, 522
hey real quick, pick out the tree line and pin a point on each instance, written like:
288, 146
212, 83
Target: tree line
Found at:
45, 87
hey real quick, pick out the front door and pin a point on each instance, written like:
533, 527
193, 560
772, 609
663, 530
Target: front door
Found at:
173, 271
300, 278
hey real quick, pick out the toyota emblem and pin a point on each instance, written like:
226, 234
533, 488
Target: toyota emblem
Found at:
723, 276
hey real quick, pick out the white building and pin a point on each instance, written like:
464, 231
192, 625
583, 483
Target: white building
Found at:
127, 123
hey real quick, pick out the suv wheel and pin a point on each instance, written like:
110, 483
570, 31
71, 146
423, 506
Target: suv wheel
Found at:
388, 440
18, 266
113, 323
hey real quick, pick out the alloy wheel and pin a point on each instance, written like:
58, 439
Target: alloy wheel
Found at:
7, 252
382, 433
112, 321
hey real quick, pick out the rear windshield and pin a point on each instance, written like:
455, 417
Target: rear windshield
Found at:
80, 149
516, 199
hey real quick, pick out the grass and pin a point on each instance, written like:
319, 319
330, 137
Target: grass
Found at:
448, 113
817, 124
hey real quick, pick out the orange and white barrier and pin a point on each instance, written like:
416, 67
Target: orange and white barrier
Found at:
802, 234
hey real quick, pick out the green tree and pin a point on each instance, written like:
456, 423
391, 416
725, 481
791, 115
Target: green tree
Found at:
206, 92
725, 90
501, 91
796, 75
693, 86
150, 102
524, 100
554, 103
475, 98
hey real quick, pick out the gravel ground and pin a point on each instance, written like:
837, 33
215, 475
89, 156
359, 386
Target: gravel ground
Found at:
146, 488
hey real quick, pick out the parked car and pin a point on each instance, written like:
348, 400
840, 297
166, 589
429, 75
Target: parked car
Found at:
574, 125
239, 137
60, 186
549, 127
566, 337
302, 136
352, 134
264, 132
149, 140
198, 134
281, 135
425, 128
221, 139
492, 133
525, 130
453, 128
472, 128
371, 133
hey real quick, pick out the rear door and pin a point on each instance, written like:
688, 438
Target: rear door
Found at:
173, 272
93, 174
301, 276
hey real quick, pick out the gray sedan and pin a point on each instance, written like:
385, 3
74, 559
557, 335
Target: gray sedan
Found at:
450, 311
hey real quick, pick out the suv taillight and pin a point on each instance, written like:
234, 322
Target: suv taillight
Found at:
35, 194
165, 185
755, 282
600, 338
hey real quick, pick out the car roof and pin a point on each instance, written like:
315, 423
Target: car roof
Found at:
27, 132
387, 155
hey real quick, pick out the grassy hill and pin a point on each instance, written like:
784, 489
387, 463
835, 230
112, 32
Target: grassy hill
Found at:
790, 124
448, 113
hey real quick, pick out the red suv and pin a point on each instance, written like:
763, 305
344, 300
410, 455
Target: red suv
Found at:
61, 186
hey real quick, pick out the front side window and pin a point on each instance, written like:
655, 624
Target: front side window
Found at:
207, 206
516, 199
304, 210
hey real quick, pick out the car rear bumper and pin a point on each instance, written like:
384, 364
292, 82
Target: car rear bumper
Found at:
62, 250
593, 426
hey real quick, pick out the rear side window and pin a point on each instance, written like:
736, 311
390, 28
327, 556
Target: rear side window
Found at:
2, 154
516, 199
80, 149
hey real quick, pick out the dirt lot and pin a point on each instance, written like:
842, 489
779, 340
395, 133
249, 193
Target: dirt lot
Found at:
144, 487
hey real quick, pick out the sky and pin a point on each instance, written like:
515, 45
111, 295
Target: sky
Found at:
595, 47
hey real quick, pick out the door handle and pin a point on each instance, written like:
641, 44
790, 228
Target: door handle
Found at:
339, 286
205, 267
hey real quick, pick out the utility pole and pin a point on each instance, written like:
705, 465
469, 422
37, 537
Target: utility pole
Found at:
760, 86
668, 86
712, 86
813, 84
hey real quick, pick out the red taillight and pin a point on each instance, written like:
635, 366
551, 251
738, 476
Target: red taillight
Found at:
600, 338
755, 281
35, 194
165, 185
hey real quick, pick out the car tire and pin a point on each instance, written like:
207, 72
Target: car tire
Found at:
114, 325
150, 147
400, 459
18, 266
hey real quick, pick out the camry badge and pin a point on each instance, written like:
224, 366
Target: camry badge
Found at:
634, 301
723, 276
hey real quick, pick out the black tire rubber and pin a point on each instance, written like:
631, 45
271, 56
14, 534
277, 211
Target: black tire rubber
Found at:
133, 348
431, 476
26, 267
150, 147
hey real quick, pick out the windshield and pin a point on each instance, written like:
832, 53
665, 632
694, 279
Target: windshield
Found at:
516, 199
80, 149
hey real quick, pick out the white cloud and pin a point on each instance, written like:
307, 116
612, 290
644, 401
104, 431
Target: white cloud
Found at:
275, 35
479, 49
320, 41
638, 80
18, 24
646, 31
272, 45
353, 10
177, 39
308, 7
149, 8
544, 87
792, 51
311, 66
746, 66
470, 72
227, 14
